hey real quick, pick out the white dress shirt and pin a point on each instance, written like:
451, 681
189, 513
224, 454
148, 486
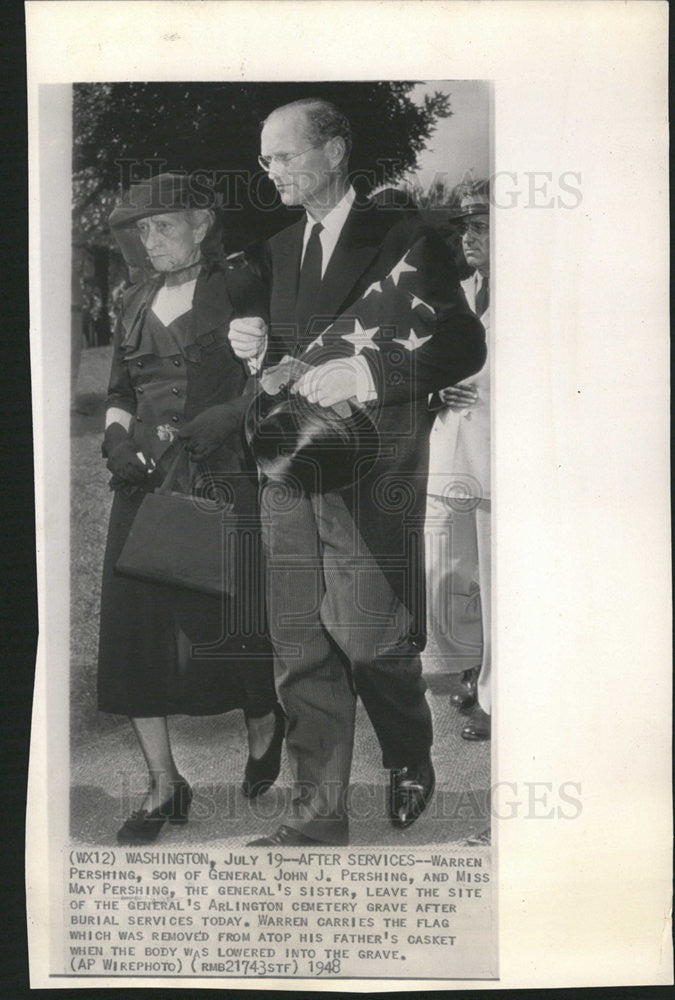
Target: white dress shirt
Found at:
471, 287
333, 224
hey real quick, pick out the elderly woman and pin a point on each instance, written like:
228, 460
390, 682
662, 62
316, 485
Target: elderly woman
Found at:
174, 377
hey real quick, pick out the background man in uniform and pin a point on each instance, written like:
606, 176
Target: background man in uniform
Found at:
458, 506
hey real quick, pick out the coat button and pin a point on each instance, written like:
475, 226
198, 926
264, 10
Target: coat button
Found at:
174, 390
140, 364
139, 388
176, 361
175, 420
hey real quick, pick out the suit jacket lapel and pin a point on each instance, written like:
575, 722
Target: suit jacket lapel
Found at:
469, 288
355, 249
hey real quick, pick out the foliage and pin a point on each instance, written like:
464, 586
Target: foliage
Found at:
126, 132
129, 131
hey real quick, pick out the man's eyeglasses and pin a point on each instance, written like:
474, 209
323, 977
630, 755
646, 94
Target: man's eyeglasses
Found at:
473, 227
283, 159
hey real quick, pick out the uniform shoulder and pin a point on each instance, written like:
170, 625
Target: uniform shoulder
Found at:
243, 286
234, 271
239, 270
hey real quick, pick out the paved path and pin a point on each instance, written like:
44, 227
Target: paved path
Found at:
108, 777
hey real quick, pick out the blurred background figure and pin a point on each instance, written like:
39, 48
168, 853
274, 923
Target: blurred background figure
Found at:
457, 529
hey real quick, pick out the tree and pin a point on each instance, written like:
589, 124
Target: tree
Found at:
129, 131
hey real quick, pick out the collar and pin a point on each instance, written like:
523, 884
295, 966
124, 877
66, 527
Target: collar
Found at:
210, 303
336, 218
173, 279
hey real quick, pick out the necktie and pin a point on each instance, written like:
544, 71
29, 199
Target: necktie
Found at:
310, 280
483, 297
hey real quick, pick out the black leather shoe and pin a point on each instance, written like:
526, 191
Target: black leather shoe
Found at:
285, 836
467, 698
479, 726
410, 791
262, 772
143, 827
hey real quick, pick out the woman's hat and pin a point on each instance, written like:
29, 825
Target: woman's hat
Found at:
308, 445
163, 193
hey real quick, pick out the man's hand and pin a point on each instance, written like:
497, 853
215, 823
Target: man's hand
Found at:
210, 429
123, 460
333, 382
459, 397
248, 337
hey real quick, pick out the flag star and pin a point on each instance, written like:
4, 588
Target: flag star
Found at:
361, 338
412, 342
420, 302
400, 269
316, 343
375, 287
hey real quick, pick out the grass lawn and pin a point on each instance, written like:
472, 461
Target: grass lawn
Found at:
90, 507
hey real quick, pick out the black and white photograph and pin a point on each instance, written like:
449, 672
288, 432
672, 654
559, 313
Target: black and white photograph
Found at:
268, 357
296, 304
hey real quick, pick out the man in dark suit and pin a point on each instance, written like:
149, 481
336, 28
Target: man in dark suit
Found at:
370, 299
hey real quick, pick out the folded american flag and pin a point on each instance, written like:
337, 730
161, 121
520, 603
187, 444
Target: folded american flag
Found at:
400, 312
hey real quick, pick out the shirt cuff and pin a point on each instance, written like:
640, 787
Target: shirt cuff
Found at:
365, 384
116, 415
255, 364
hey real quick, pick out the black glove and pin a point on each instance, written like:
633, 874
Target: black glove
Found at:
210, 429
123, 462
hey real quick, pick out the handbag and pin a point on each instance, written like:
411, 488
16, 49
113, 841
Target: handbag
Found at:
182, 540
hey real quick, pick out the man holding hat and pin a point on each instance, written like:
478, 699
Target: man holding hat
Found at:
458, 504
368, 299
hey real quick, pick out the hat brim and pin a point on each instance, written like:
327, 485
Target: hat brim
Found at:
164, 194
296, 441
464, 213
124, 216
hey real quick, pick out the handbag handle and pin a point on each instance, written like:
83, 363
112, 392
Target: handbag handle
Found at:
172, 471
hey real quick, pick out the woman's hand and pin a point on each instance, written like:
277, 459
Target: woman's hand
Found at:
123, 460
210, 429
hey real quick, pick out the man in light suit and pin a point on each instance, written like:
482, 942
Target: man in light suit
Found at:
458, 532
370, 299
